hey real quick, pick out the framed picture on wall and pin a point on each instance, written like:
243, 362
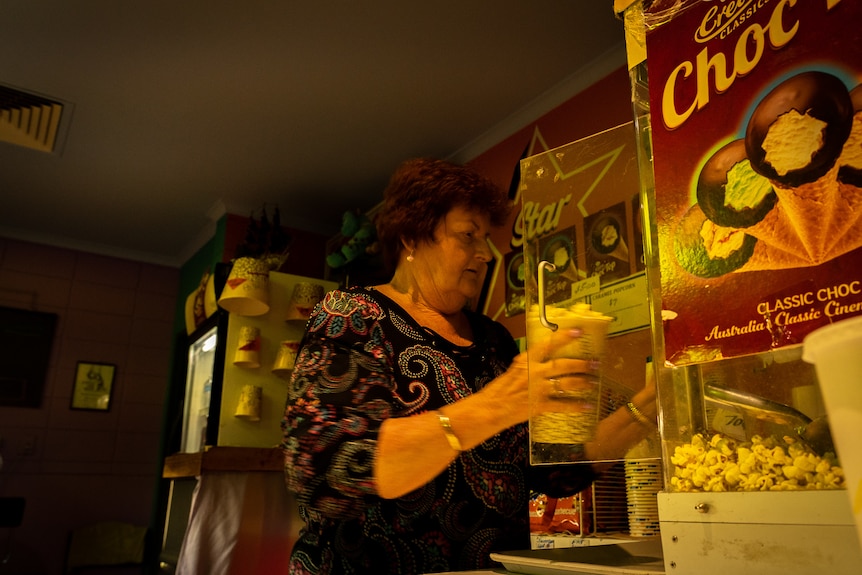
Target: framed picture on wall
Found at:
94, 386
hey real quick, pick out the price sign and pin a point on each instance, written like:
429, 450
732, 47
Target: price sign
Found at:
627, 302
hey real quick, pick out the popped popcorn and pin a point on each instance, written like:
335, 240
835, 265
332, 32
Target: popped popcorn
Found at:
721, 463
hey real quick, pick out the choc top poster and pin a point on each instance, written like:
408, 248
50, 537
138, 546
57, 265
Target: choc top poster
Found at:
756, 117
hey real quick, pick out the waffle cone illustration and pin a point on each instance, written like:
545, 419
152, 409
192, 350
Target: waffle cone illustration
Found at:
571, 273
850, 239
809, 208
845, 221
621, 252
769, 257
777, 233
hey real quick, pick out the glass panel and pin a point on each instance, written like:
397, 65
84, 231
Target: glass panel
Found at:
199, 382
584, 255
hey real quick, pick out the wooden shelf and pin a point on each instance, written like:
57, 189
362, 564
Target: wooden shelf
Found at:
216, 459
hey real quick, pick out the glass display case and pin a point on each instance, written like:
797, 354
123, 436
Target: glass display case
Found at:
583, 267
199, 381
205, 353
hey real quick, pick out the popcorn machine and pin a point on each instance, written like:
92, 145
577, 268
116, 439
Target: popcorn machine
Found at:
712, 235
748, 121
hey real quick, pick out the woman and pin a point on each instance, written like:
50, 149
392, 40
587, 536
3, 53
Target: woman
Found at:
404, 435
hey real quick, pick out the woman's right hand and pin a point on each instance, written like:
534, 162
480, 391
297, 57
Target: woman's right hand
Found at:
502, 403
509, 395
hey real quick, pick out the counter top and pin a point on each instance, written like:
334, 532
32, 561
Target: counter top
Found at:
223, 458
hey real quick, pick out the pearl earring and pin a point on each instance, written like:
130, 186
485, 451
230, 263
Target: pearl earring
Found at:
410, 256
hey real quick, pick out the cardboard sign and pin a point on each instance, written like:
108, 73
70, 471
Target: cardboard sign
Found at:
756, 116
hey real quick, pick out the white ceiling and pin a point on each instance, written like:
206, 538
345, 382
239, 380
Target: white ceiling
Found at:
182, 110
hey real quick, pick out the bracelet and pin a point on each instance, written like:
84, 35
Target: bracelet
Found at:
454, 443
638, 416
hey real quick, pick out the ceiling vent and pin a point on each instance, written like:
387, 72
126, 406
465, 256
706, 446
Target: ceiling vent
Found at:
29, 120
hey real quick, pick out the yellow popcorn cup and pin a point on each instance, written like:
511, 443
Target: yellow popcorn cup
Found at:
564, 411
590, 345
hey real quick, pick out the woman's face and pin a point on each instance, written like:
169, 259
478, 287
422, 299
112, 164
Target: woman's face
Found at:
451, 269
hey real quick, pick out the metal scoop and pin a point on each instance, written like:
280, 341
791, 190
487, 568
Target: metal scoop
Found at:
815, 433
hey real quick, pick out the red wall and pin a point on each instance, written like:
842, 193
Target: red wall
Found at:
307, 249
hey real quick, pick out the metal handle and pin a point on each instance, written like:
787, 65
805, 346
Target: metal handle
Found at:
543, 265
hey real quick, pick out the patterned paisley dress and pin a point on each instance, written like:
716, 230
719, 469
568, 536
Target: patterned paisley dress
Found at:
364, 359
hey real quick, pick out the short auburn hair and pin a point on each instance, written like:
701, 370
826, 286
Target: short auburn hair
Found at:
422, 191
